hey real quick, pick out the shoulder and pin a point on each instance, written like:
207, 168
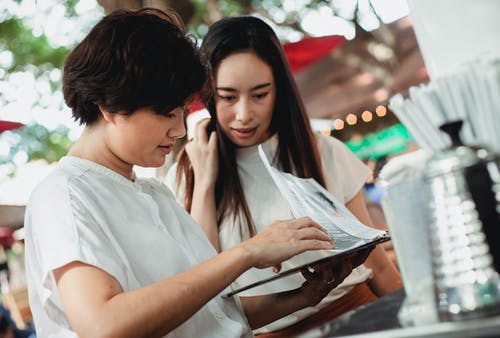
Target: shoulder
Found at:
334, 152
51, 208
345, 174
330, 143
73, 185
57, 184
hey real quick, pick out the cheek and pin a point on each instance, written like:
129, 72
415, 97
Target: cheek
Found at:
267, 112
268, 107
224, 114
143, 138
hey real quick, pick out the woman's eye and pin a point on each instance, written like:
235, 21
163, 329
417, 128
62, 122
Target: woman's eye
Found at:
227, 97
260, 95
175, 113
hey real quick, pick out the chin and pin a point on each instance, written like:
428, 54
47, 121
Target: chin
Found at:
159, 163
244, 145
239, 143
156, 163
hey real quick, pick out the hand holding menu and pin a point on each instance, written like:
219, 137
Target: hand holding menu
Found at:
306, 197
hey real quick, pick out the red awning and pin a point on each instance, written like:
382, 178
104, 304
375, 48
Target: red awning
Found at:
9, 125
196, 104
308, 50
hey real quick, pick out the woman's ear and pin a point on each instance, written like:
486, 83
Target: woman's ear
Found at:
107, 116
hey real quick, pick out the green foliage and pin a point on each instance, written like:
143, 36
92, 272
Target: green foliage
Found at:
33, 53
37, 142
26, 48
231, 8
41, 143
199, 22
70, 7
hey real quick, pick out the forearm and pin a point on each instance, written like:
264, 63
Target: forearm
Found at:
178, 298
157, 309
262, 310
203, 210
386, 278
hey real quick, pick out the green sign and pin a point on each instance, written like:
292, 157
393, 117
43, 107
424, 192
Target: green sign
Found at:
389, 141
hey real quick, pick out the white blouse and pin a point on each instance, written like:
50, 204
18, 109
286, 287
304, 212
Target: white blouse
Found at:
135, 231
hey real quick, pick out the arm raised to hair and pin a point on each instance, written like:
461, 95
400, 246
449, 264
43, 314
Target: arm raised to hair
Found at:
202, 152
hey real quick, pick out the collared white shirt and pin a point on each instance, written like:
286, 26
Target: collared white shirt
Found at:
135, 231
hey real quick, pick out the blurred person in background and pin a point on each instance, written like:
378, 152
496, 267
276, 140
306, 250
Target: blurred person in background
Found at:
8, 329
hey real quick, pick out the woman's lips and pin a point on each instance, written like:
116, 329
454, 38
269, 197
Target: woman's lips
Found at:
166, 149
244, 132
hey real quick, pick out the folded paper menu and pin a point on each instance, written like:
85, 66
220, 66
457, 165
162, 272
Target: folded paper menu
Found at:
306, 197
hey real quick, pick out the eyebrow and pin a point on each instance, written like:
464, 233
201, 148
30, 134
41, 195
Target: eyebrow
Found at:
260, 86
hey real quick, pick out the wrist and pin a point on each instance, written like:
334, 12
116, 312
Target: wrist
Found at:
306, 299
247, 254
204, 180
204, 187
312, 294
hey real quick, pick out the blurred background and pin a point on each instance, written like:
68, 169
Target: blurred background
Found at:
348, 57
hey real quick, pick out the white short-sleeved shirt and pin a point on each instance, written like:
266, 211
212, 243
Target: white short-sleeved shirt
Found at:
135, 231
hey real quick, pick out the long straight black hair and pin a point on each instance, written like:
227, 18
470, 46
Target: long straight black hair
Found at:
297, 151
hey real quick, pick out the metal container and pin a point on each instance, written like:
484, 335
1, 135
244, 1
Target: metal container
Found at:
463, 186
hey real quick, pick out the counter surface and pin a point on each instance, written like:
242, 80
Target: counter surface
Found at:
379, 319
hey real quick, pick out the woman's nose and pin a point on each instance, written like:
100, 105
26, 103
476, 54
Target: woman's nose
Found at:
179, 129
243, 111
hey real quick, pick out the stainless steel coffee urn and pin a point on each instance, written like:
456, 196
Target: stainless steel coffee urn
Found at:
463, 186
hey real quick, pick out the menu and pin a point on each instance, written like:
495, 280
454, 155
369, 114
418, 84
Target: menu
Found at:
306, 197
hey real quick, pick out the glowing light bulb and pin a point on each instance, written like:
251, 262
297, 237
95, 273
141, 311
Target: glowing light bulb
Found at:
367, 116
351, 119
381, 111
338, 124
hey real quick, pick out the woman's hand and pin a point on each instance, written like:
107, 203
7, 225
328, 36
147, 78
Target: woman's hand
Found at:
323, 278
202, 152
285, 239
359, 257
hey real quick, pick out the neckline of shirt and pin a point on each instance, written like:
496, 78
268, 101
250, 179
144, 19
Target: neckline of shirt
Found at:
87, 164
251, 153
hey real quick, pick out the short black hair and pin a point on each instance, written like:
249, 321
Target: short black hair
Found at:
132, 59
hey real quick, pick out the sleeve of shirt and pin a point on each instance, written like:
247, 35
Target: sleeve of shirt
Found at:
64, 230
341, 167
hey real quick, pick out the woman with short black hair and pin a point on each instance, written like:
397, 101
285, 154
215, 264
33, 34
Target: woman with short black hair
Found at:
109, 254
